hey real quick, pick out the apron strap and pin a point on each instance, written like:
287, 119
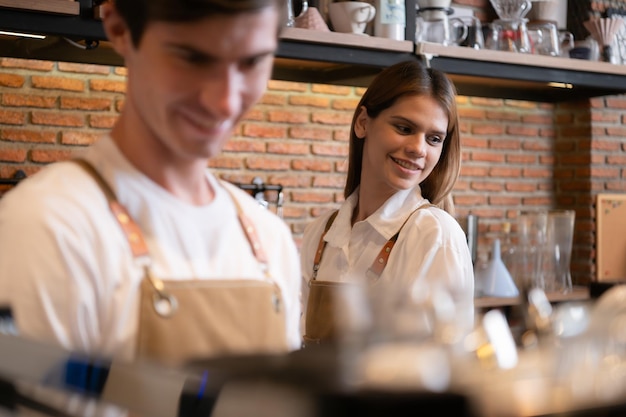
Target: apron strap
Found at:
133, 232
322, 245
381, 260
129, 227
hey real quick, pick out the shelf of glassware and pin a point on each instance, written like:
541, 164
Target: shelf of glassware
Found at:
525, 76
578, 293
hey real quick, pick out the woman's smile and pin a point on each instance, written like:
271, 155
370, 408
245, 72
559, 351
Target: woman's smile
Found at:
406, 164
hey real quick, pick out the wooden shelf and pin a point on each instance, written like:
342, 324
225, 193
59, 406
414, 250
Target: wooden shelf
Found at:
524, 76
306, 55
66, 7
577, 294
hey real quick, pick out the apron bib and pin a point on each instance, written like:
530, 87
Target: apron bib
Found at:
328, 299
183, 320
211, 318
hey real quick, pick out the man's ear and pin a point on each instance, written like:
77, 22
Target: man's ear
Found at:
360, 124
116, 29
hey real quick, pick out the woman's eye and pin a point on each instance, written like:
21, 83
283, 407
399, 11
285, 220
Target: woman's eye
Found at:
405, 130
435, 139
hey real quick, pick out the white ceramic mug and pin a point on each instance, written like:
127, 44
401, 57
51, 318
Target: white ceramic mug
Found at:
351, 16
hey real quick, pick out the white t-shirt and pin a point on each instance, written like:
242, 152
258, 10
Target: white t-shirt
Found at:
431, 252
68, 273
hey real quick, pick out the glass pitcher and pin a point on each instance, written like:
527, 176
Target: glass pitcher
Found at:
509, 35
440, 30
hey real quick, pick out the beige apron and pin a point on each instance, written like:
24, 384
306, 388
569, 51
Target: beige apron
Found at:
327, 299
182, 320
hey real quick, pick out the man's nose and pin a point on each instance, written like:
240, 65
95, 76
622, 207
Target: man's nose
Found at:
221, 93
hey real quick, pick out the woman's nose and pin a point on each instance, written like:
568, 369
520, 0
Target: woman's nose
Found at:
417, 145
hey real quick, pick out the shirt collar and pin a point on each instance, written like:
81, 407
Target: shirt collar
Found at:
387, 220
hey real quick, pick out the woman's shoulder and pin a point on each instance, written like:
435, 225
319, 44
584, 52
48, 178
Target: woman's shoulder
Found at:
429, 218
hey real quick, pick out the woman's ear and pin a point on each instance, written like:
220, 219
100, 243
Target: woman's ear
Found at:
360, 124
116, 29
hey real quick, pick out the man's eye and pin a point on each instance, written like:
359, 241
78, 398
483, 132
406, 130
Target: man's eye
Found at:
196, 59
253, 62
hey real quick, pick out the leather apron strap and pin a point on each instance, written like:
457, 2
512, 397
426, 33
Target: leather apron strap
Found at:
186, 319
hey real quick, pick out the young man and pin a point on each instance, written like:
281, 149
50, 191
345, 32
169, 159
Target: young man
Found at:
106, 257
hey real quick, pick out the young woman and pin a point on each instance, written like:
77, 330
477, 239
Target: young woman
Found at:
395, 232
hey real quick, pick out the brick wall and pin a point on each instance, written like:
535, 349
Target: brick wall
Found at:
517, 154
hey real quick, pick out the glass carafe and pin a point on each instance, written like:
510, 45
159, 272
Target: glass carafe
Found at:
436, 27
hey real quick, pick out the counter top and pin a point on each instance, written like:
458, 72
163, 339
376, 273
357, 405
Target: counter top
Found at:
579, 293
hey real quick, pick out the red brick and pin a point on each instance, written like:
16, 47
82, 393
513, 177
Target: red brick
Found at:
57, 83
57, 119
28, 64
487, 157
333, 181
309, 101
85, 103
311, 197
287, 116
226, 162
49, 155
273, 99
78, 138
311, 133
102, 121
256, 130
84, 68
315, 165
12, 117
28, 100
345, 104
241, 145
267, 164
286, 148
334, 118
331, 89
287, 86
330, 150
12, 80
107, 85
25, 135
12, 155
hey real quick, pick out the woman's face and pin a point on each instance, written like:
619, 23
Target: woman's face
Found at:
402, 145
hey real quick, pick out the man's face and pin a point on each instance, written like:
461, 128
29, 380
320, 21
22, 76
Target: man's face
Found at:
190, 83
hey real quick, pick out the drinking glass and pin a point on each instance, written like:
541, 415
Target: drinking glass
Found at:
560, 234
529, 271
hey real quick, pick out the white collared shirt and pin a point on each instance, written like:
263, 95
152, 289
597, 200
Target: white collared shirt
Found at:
431, 251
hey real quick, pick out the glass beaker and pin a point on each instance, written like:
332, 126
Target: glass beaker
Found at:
560, 235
